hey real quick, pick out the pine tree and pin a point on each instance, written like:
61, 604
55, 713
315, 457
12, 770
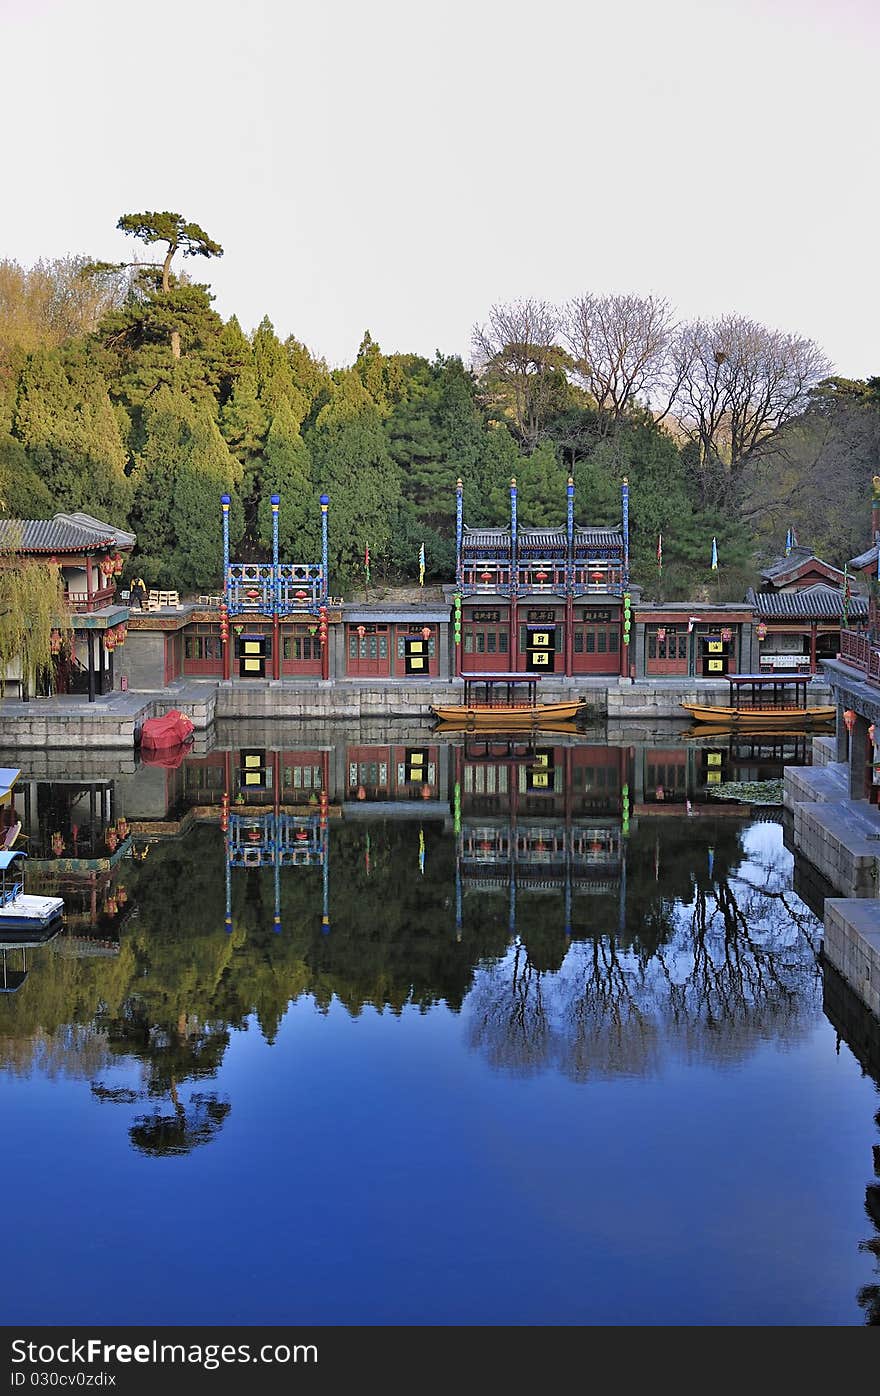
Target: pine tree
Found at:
66, 421
288, 472
350, 460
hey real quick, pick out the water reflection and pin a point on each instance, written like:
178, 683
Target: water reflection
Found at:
588, 910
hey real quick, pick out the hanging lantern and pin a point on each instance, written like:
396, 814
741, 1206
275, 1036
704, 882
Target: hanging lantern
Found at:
661, 633
849, 719
541, 576
485, 576
426, 792
121, 633
57, 844
109, 640
426, 632
871, 731
118, 564
111, 838
596, 575
108, 567
361, 793
362, 630
55, 641
301, 595
122, 827
726, 635
761, 630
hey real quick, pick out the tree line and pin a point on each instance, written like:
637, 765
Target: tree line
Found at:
124, 393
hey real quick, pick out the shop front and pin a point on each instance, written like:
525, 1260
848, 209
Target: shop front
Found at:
485, 639
384, 648
595, 645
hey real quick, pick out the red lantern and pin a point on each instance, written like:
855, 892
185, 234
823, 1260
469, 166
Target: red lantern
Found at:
541, 576
361, 793
485, 576
108, 567
120, 634
761, 630
109, 640
362, 630
426, 792
661, 633
726, 636
849, 719
426, 632
596, 575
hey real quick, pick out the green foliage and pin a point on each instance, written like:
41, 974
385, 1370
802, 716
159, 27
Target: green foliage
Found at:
288, 472
31, 607
351, 462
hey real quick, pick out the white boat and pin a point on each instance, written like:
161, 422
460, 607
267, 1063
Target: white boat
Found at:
19, 911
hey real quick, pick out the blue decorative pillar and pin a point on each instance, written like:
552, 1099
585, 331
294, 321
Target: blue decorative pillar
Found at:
224, 504
276, 858
276, 591
514, 580
569, 576
459, 530
325, 882
325, 550
227, 922
625, 504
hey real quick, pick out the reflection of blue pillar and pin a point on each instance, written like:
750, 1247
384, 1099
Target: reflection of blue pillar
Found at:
459, 530
625, 503
621, 917
276, 858
227, 855
276, 503
513, 573
458, 916
325, 549
511, 915
225, 502
569, 531
568, 884
325, 872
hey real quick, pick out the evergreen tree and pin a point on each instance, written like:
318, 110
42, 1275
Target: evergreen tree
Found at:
350, 461
288, 472
65, 419
272, 364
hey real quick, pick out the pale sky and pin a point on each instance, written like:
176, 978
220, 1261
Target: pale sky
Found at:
400, 167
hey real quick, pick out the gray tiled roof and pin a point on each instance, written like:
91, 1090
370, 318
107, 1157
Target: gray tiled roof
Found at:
867, 559
51, 536
811, 603
777, 570
121, 537
550, 538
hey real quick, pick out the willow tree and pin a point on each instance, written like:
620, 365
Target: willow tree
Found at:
34, 622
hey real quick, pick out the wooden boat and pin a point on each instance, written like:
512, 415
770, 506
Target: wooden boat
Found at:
764, 701
20, 911
502, 702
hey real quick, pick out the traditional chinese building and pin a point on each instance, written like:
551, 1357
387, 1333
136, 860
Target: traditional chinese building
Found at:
547, 600
798, 609
91, 556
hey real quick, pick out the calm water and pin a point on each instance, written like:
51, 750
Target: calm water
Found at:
384, 1031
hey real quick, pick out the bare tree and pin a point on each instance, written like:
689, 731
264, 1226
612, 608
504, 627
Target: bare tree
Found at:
620, 346
739, 383
518, 352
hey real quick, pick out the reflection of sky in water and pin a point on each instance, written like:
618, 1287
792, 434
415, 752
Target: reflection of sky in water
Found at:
624, 1140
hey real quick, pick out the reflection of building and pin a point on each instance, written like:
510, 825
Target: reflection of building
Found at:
276, 837
532, 817
77, 844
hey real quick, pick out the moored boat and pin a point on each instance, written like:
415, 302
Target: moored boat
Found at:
19, 911
503, 702
764, 701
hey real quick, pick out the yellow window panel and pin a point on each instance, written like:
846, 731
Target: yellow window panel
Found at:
716, 665
252, 778
716, 647
252, 762
416, 647
542, 759
714, 758
540, 658
713, 777
540, 639
539, 780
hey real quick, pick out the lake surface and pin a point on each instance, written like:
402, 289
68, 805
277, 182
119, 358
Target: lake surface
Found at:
349, 1030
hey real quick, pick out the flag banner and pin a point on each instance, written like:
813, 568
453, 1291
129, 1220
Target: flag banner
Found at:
788, 543
367, 562
714, 556
847, 593
422, 565
659, 552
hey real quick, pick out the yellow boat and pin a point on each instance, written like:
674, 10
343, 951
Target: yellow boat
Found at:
491, 703
762, 701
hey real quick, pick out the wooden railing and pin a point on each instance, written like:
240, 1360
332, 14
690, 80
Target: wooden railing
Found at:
81, 602
856, 649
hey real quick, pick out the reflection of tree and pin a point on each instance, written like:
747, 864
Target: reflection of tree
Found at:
735, 964
192, 1124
